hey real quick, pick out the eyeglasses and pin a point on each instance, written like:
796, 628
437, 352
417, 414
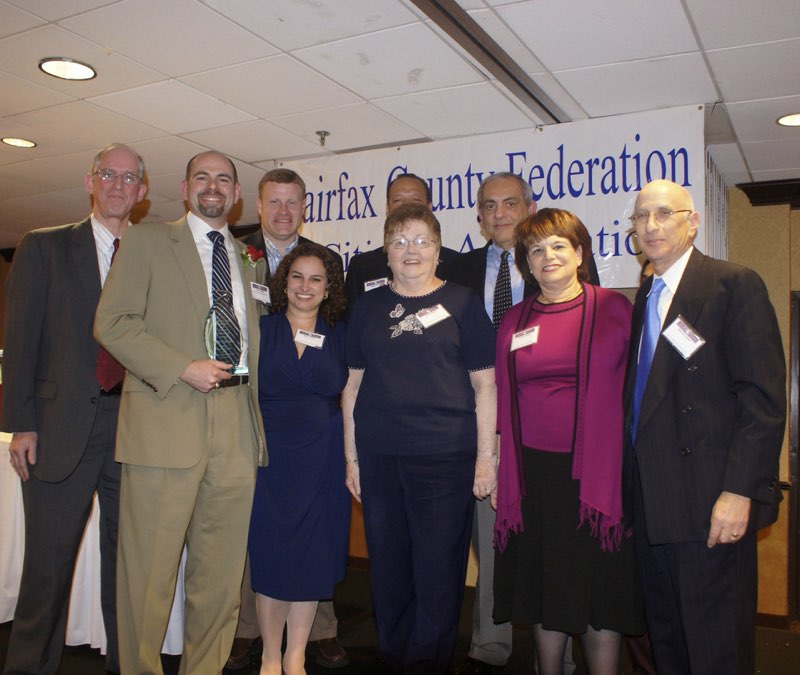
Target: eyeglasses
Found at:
662, 215
110, 176
402, 243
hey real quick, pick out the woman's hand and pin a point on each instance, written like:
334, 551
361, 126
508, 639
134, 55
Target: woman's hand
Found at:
485, 475
353, 479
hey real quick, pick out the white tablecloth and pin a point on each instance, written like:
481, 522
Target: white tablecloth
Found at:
85, 623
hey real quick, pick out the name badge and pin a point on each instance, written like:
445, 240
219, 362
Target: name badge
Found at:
432, 315
375, 283
529, 336
306, 337
260, 293
683, 337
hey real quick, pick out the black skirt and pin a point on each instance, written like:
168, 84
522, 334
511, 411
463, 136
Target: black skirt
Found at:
554, 573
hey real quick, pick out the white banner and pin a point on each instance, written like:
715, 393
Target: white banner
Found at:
593, 168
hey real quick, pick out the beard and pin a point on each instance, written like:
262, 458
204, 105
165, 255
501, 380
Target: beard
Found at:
212, 210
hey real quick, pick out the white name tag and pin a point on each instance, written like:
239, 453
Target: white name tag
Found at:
529, 336
260, 293
683, 337
375, 283
432, 315
306, 337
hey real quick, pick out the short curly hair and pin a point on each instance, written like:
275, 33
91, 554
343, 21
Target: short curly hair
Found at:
333, 307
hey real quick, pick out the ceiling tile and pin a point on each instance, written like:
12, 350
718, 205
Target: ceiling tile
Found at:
370, 66
730, 163
27, 96
187, 37
772, 155
561, 97
52, 173
459, 111
776, 174
758, 71
53, 11
20, 55
172, 106
504, 36
282, 85
640, 85
756, 120
722, 24
15, 20
85, 123
352, 126
167, 155
254, 141
591, 32
289, 24
47, 143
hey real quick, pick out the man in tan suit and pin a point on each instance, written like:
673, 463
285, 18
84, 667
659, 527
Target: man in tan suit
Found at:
190, 433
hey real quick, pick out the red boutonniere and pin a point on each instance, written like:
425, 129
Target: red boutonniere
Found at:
251, 255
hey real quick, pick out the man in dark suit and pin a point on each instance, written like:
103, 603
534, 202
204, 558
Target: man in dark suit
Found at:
190, 432
63, 422
705, 402
281, 203
371, 269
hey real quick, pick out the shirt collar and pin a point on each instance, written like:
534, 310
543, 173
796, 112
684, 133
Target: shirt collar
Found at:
200, 228
672, 277
496, 252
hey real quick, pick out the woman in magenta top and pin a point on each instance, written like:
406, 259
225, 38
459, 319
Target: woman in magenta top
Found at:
564, 559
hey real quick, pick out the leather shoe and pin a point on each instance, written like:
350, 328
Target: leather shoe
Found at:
470, 666
330, 654
242, 653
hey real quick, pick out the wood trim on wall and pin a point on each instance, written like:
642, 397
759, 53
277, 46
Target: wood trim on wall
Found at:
772, 192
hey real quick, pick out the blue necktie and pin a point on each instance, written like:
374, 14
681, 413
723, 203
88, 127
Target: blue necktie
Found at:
228, 335
652, 329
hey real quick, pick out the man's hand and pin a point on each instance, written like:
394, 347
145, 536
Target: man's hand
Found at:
205, 375
728, 519
23, 452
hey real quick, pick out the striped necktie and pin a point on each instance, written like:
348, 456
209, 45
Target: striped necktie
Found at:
228, 335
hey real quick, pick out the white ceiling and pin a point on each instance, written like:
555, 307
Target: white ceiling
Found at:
257, 78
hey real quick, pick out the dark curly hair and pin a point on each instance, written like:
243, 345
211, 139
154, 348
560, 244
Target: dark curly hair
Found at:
333, 307
546, 223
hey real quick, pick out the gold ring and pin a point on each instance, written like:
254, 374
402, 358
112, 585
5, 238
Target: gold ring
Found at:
734, 534
216, 385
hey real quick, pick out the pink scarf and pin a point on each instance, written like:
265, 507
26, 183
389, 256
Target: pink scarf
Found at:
598, 427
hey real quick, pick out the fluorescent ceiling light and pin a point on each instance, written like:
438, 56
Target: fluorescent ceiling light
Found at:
66, 69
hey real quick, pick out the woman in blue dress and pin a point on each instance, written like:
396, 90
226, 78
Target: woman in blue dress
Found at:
299, 530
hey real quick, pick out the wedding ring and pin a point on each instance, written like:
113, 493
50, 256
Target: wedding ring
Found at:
216, 385
734, 534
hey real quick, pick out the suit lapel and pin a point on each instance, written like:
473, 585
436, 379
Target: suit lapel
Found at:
83, 255
687, 302
188, 259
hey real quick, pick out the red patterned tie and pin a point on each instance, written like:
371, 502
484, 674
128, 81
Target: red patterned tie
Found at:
109, 372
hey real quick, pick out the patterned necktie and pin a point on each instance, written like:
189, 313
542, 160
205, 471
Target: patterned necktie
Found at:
228, 336
502, 291
650, 333
108, 371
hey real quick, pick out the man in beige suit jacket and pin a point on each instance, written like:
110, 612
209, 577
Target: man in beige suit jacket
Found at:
190, 432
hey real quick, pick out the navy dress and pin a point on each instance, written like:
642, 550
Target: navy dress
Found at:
299, 530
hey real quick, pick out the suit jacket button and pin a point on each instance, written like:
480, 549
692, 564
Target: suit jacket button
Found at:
691, 368
687, 409
685, 451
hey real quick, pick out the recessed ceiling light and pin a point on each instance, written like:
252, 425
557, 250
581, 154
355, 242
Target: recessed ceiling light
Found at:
66, 69
19, 142
792, 120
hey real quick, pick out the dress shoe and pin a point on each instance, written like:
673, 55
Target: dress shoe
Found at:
330, 653
470, 666
242, 653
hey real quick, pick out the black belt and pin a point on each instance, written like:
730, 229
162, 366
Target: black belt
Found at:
235, 381
116, 391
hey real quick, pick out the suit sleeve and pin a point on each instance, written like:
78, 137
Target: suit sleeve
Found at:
120, 321
26, 300
754, 354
